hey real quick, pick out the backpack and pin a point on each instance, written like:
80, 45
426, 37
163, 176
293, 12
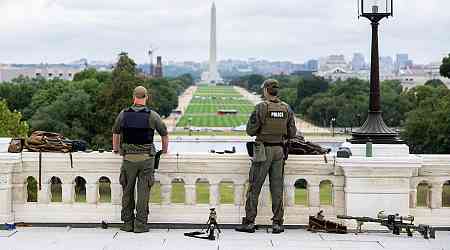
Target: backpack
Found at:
41, 141
15, 146
299, 146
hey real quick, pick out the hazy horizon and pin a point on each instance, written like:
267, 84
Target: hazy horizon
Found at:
61, 31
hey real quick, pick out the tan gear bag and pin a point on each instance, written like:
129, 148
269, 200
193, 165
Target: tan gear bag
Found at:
41, 141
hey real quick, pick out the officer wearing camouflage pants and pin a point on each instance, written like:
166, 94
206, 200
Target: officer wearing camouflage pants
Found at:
272, 123
133, 133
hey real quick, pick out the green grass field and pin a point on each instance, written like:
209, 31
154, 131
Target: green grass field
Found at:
208, 100
209, 133
326, 195
195, 109
219, 91
213, 121
446, 195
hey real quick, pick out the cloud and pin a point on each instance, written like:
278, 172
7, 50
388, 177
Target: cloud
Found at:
64, 30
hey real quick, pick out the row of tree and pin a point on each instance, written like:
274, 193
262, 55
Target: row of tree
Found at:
422, 113
86, 107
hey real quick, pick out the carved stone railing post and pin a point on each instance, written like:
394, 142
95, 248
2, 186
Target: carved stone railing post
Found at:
19, 193
338, 197
436, 196
5, 196
116, 194
239, 196
91, 193
413, 198
314, 195
214, 194
166, 193
67, 193
7, 164
191, 194
43, 194
289, 191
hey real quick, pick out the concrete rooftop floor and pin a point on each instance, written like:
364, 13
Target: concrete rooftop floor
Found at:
113, 239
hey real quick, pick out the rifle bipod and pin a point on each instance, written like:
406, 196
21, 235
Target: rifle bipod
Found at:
209, 228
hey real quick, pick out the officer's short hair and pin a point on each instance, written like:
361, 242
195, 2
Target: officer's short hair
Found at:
140, 92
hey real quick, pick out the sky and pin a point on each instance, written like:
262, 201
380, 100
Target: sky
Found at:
61, 31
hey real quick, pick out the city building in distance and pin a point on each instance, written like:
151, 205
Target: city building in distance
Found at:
46, 71
159, 67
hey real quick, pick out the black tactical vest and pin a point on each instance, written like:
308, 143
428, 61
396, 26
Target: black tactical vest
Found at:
136, 128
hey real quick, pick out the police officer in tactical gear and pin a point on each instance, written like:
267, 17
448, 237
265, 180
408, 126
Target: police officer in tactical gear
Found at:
273, 124
133, 133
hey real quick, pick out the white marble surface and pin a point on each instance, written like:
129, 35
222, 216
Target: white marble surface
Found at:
4, 144
374, 184
381, 150
113, 239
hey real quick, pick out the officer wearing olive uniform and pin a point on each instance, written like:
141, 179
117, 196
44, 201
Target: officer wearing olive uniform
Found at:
133, 133
273, 124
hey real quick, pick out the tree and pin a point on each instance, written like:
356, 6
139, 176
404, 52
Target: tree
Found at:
445, 67
255, 81
251, 82
309, 87
163, 93
45, 95
289, 95
392, 104
348, 102
86, 107
115, 96
70, 114
11, 124
427, 128
19, 93
91, 73
436, 83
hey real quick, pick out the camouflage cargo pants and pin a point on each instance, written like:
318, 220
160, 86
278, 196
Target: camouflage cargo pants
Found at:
272, 166
144, 173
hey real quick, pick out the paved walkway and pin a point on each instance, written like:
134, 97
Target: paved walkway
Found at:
183, 103
113, 239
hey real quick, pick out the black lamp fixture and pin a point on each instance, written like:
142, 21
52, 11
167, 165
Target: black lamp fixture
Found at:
374, 129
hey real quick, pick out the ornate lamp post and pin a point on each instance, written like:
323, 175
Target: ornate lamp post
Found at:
374, 129
332, 122
190, 125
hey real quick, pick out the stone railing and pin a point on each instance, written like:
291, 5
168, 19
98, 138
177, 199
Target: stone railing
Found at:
184, 168
431, 183
305, 179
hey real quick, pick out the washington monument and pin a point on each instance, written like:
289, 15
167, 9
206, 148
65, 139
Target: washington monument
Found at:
212, 76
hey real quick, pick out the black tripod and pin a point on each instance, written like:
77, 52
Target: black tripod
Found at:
211, 226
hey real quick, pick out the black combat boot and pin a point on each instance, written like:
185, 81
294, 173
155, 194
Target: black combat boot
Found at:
277, 227
246, 227
127, 226
140, 227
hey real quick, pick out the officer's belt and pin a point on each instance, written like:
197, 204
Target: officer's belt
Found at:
267, 144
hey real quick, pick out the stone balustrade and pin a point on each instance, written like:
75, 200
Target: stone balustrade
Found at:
60, 199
